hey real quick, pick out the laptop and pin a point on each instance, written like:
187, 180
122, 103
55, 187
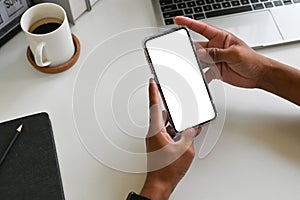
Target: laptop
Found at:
259, 23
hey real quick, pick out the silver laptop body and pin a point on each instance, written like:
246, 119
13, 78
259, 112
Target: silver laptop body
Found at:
259, 23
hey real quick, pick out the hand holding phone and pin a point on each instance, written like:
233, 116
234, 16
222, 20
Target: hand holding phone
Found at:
180, 79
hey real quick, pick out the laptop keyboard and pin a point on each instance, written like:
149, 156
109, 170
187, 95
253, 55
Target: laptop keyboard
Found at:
201, 9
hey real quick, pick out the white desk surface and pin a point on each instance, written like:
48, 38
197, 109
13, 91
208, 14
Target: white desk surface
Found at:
256, 157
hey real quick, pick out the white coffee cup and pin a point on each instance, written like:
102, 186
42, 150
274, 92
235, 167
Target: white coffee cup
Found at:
48, 33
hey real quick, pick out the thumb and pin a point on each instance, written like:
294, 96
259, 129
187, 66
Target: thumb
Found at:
156, 120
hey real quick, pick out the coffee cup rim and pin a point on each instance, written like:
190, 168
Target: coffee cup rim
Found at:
31, 9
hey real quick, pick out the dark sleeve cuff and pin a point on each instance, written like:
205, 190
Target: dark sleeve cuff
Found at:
134, 196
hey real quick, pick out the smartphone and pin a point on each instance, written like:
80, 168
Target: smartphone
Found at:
181, 82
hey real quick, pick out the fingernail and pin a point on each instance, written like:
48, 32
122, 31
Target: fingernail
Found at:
151, 80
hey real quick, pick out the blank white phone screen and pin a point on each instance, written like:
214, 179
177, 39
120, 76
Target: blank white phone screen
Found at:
185, 92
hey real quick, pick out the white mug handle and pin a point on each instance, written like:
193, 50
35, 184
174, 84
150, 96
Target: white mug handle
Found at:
39, 55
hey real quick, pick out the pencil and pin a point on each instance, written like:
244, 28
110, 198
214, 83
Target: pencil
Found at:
18, 131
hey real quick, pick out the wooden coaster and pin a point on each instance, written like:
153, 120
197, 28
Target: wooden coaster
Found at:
60, 68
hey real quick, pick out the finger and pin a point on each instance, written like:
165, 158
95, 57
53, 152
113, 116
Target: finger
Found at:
156, 117
186, 138
204, 29
153, 93
171, 131
204, 57
198, 130
188, 134
219, 55
165, 117
156, 120
209, 75
200, 45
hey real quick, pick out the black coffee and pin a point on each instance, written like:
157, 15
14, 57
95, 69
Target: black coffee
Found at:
46, 28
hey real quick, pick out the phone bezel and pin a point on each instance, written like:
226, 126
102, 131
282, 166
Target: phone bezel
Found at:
146, 52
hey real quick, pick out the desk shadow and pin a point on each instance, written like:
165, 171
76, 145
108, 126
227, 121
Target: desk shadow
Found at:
277, 133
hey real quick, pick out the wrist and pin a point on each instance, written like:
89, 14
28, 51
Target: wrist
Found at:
282, 80
268, 67
155, 189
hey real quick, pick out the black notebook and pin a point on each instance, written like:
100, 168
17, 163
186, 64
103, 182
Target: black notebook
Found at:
30, 169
